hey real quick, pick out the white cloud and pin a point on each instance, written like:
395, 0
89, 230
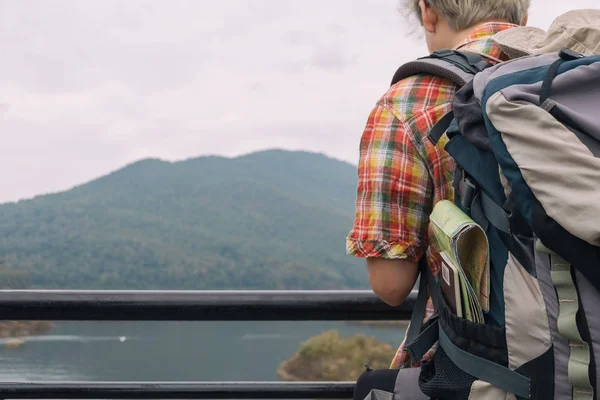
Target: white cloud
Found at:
91, 86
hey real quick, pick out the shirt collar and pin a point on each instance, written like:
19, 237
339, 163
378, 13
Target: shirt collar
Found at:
479, 38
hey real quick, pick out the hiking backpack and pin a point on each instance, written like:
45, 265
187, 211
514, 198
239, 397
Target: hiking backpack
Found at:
525, 138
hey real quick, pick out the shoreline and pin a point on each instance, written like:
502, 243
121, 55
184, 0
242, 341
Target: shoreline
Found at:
18, 329
284, 374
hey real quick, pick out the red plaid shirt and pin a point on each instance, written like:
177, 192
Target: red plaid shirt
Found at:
402, 175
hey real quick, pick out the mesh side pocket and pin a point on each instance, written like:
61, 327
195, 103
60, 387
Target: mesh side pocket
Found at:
441, 379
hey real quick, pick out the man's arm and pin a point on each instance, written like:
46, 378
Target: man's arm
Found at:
392, 207
392, 280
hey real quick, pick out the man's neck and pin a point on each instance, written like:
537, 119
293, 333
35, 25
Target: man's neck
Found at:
459, 37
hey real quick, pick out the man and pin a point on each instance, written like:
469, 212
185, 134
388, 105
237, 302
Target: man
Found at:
401, 174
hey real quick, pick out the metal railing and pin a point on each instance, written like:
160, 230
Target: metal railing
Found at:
76, 305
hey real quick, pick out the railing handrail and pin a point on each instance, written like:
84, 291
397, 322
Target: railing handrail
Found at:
176, 305
177, 390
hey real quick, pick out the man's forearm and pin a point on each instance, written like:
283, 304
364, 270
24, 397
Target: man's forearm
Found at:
392, 280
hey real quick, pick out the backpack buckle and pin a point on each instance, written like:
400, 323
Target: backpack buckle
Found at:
568, 54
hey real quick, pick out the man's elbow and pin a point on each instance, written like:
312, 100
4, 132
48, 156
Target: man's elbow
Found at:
392, 280
393, 296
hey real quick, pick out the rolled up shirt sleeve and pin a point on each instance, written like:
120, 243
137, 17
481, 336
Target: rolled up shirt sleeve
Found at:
394, 192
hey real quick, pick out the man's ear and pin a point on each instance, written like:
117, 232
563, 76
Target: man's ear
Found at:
428, 16
525, 19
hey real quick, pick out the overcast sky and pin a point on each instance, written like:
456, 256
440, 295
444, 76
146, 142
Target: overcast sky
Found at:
91, 85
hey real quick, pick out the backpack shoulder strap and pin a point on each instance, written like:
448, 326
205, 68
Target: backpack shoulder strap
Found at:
456, 66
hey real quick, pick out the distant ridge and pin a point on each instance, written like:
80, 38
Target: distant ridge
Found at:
273, 219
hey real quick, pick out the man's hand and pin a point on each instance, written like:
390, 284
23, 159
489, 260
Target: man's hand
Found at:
392, 280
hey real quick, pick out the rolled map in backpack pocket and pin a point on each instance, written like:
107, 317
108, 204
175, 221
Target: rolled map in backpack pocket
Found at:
464, 250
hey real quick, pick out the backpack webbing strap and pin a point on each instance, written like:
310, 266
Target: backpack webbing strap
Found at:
482, 208
438, 130
486, 370
579, 357
469, 62
494, 214
417, 342
418, 347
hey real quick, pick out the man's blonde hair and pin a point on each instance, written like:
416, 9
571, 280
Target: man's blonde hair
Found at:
464, 14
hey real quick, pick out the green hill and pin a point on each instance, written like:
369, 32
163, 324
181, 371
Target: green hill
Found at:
268, 220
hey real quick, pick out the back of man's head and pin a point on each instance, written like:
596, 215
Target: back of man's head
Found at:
464, 14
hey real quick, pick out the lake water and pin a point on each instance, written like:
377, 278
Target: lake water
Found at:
168, 351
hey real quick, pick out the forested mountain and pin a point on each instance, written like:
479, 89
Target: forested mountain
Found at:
267, 220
